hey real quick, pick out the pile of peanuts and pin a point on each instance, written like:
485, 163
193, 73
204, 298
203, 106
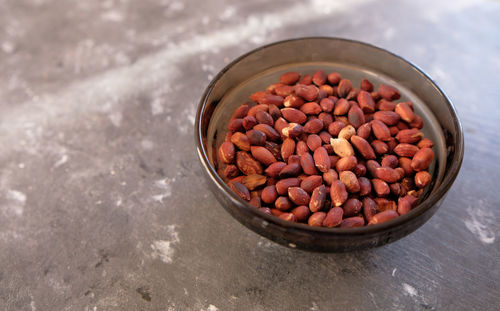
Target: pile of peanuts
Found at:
316, 150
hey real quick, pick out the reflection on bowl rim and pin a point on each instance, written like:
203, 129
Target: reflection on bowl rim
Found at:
432, 199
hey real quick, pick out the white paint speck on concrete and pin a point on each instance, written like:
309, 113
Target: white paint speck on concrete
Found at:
480, 222
163, 249
165, 185
62, 160
146, 144
410, 290
112, 16
8, 47
211, 307
16, 201
394, 272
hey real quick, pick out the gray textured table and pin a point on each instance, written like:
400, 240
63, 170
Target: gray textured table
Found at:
102, 204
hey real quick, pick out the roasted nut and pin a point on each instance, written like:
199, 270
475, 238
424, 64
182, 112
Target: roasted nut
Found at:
283, 185
388, 117
307, 92
342, 147
333, 217
380, 187
301, 148
231, 171
327, 105
359, 170
350, 181
422, 159
293, 115
380, 147
270, 132
334, 78
371, 166
283, 204
425, 143
410, 136
346, 163
311, 108
293, 101
241, 141
383, 217
266, 210
280, 124
342, 106
417, 122
405, 112
254, 181
387, 174
365, 186
288, 217
246, 164
321, 159
313, 142
319, 78
422, 179
264, 118
369, 208
240, 190
290, 170
380, 130
256, 138
316, 219
405, 204
326, 118
364, 130
289, 78
311, 182
356, 116
240, 112
347, 132
386, 105
388, 92
344, 88
313, 126
284, 90
227, 152
405, 150
287, 148
338, 193
363, 147
330, 176
293, 130
390, 160
366, 85
263, 155
352, 207
307, 163
298, 196
301, 213
352, 222
269, 194
318, 199
384, 204
274, 169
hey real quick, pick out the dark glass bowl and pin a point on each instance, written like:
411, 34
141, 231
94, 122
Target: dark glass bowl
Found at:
257, 69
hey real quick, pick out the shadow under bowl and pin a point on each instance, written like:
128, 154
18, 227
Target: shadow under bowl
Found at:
354, 60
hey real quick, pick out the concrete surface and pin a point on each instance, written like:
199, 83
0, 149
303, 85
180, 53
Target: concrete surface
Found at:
102, 204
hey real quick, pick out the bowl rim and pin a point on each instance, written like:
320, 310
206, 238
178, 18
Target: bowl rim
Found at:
447, 182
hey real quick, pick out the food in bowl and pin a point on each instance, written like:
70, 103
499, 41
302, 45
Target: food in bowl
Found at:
316, 150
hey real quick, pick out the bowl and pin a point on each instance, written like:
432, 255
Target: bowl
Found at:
263, 66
